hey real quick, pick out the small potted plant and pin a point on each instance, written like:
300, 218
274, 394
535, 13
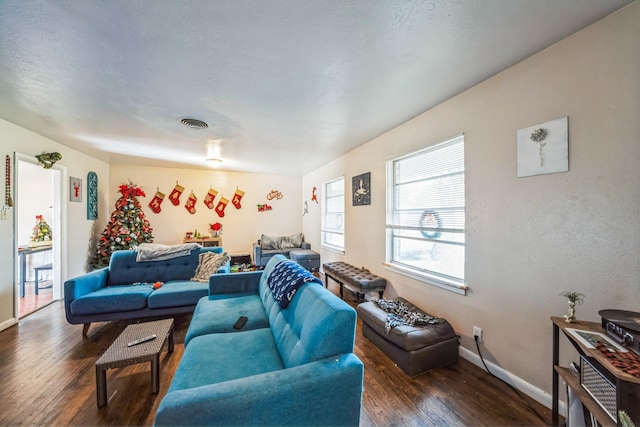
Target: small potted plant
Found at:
573, 298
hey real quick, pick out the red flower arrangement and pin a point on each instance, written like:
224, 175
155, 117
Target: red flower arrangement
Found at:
216, 227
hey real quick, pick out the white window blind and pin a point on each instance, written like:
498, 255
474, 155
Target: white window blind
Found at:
333, 214
425, 213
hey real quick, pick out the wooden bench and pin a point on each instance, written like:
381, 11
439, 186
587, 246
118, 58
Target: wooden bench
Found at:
357, 280
36, 272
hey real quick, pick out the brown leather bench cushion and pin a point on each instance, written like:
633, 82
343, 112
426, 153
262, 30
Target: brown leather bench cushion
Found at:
359, 279
405, 337
414, 348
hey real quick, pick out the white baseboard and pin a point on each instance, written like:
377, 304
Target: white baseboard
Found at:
7, 323
521, 385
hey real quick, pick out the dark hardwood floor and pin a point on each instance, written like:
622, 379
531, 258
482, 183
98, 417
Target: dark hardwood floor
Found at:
47, 373
32, 302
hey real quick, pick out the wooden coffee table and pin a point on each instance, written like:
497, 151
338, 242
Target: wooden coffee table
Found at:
119, 354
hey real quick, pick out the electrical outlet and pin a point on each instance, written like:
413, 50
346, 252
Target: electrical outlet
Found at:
477, 332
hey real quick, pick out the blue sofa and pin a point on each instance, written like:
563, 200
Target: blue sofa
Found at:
288, 366
124, 289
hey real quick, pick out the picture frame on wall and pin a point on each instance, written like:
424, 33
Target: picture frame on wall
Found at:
361, 189
92, 196
543, 148
75, 189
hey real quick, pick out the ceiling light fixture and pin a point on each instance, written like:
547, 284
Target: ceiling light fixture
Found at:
214, 156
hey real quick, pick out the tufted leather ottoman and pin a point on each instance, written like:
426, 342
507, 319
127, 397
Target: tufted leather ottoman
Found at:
414, 349
358, 280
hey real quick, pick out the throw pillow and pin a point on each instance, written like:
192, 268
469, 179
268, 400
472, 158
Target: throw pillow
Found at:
269, 242
293, 241
209, 263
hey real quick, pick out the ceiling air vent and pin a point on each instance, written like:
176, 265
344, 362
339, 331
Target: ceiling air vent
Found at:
194, 123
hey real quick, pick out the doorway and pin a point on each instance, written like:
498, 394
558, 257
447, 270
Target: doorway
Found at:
37, 236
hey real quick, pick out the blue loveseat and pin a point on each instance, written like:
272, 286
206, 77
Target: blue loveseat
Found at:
288, 366
124, 289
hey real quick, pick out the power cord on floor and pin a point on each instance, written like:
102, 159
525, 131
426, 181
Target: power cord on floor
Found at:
515, 390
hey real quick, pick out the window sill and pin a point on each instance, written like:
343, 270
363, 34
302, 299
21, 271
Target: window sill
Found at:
428, 279
333, 249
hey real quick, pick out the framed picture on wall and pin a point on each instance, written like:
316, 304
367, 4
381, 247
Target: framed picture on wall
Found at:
75, 189
92, 195
543, 148
361, 189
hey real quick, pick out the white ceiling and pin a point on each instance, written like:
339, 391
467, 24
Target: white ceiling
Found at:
285, 85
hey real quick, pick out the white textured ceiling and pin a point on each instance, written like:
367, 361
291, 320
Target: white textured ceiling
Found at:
285, 85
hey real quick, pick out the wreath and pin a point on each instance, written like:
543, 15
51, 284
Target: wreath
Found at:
430, 219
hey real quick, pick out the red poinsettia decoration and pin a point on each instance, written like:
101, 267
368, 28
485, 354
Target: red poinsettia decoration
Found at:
131, 191
216, 226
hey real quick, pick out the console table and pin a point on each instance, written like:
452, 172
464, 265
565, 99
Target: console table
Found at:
205, 241
627, 387
22, 254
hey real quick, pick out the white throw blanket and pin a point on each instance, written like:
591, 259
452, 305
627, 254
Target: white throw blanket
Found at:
158, 252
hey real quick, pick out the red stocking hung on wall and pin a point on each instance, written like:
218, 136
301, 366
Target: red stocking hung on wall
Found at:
222, 204
210, 197
236, 198
155, 203
175, 194
191, 203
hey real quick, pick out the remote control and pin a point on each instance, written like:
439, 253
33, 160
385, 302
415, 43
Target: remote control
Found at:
240, 323
141, 340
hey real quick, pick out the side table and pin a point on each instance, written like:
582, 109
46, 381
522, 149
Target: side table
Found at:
119, 354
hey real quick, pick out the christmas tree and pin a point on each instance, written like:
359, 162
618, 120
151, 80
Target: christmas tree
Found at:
127, 227
41, 231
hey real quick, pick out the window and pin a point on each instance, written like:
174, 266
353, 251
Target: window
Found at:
333, 214
425, 214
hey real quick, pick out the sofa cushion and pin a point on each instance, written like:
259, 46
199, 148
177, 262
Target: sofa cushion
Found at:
289, 242
209, 263
317, 324
409, 338
281, 242
242, 354
178, 293
112, 299
217, 315
124, 269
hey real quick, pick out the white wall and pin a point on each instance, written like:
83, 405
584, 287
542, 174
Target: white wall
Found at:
37, 199
76, 239
528, 239
241, 227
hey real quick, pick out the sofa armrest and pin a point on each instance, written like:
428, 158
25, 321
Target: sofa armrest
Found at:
82, 285
305, 245
257, 253
234, 283
85, 284
326, 392
224, 268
